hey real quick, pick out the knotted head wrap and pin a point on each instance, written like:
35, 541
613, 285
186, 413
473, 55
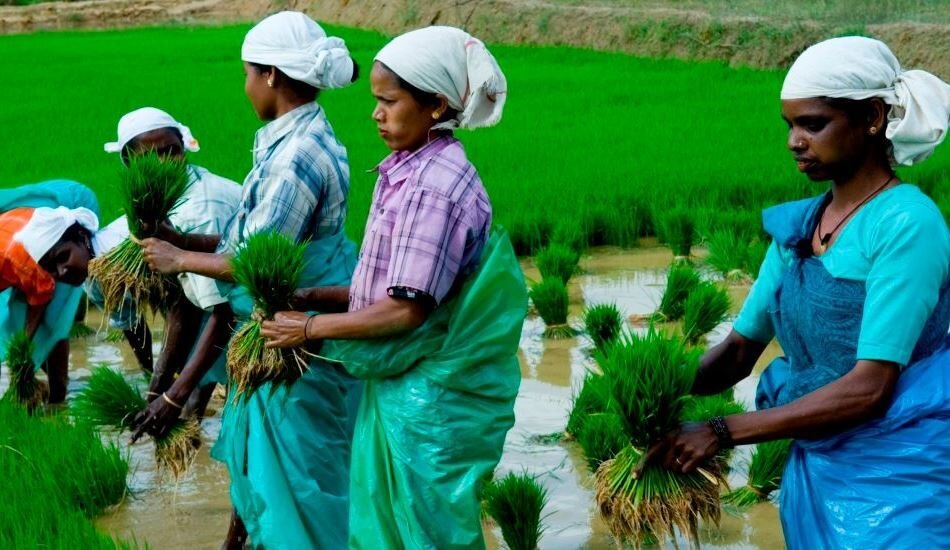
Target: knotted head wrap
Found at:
301, 49
855, 67
454, 64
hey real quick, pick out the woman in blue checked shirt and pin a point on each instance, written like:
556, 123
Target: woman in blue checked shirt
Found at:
287, 450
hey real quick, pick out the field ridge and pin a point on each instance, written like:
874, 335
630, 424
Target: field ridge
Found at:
644, 30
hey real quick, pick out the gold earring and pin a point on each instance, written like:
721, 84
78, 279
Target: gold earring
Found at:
270, 83
873, 130
436, 115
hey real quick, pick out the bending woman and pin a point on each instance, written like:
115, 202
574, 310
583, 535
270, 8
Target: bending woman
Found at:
435, 308
47, 237
287, 450
856, 287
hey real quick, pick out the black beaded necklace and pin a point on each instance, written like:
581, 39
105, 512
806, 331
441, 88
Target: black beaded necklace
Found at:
826, 238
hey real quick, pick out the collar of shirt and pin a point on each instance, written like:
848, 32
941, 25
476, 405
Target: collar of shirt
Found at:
278, 128
398, 166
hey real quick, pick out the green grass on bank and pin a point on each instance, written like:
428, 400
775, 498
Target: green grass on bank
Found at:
836, 12
594, 143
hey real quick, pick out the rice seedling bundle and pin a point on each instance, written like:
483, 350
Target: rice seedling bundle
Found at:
110, 400
700, 408
515, 502
151, 189
24, 388
678, 230
601, 437
650, 378
602, 323
592, 399
269, 266
765, 474
570, 233
680, 281
550, 299
735, 255
557, 261
706, 306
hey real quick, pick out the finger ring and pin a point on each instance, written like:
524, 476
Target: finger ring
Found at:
678, 461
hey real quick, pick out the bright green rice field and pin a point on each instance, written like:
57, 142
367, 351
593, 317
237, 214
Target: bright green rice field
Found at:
594, 141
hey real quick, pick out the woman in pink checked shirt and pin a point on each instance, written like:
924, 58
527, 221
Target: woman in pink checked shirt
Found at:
432, 425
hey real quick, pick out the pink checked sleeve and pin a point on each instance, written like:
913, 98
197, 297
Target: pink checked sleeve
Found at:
428, 243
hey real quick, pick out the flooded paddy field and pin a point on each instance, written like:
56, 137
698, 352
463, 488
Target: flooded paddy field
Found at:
194, 511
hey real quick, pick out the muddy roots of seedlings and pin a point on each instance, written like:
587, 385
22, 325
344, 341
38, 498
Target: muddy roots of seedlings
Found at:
122, 273
550, 299
765, 474
640, 502
177, 450
251, 364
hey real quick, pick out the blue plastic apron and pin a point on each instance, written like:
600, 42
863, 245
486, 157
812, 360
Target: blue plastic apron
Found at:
288, 448
885, 484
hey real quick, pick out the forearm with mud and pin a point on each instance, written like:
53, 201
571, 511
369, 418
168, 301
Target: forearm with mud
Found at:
854, 399
213, 340
387, 317
327, 299
181, 330
727, 363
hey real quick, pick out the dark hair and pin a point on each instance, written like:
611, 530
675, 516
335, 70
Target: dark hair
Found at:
301, 88
857, 110
134, 142
75, 233
428, 99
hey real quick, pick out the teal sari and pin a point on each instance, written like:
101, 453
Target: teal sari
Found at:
287, 448
60, 313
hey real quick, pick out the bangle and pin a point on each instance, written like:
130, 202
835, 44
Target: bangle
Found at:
306, 327
170, 402
155, 393
719, 427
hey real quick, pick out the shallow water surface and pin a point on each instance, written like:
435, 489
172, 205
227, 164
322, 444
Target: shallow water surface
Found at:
193, 512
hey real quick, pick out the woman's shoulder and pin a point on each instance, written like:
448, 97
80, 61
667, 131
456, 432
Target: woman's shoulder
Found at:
448, 172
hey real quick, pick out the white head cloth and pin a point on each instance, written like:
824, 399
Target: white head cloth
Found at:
147, 119
300, 48
855, 67
452, 63
47, 225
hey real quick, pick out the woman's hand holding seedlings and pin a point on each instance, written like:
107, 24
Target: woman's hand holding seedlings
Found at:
287, 330
162, 256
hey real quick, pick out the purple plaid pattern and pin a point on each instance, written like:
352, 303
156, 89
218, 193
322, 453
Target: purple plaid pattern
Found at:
428, 224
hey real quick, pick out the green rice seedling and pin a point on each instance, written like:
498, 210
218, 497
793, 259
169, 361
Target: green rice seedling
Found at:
590, 400
151, 189
678, 230
558, 261
271, 285
80, 330
765, 474
110, 400
706, 307
700, 408
650, 378
734, 255
603, 323
24, 388
680, 281
528, 233
550, 299
601, 438
515, 502
56, 477
570, 233
607, 225
114, 336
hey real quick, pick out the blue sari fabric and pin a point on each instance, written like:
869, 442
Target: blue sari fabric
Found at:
60, 313
287, 448
885, 484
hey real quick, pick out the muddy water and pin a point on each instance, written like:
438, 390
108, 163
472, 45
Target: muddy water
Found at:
193, 513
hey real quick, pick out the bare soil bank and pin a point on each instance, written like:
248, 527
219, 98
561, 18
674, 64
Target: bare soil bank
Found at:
645, 31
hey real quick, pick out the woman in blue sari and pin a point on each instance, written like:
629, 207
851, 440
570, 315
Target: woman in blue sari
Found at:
856, 287
288, 448
48, 319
